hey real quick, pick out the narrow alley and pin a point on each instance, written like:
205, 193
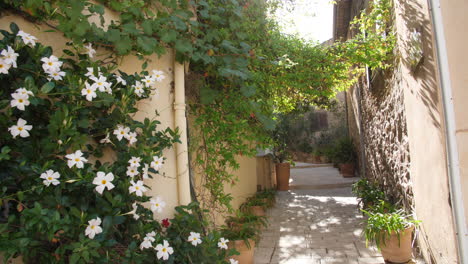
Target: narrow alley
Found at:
316, 221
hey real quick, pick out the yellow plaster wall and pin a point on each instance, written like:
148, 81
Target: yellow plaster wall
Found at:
424, 117
164, 185
454, 22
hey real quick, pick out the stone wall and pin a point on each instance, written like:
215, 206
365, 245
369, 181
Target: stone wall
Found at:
386, 139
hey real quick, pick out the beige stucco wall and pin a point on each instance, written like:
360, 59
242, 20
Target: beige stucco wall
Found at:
454, 22
164, 186
422, 100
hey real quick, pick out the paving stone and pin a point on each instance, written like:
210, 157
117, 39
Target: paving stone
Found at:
315, 225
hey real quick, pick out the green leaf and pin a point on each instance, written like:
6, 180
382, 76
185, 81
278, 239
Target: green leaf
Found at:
124, 45
207, 95
130, 28
113, 35
248, 90
47, 87
169, 36
183, 46
14, 28
147, 27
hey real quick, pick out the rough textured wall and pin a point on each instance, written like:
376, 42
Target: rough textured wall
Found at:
386, 140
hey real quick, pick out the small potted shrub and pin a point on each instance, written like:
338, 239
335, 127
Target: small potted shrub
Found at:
368, 193
268, 196
345, 156
243, 233
391, 229
254, 206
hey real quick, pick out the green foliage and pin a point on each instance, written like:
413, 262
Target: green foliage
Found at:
343, 151
383, 220
367, 192
244, 226
46, 223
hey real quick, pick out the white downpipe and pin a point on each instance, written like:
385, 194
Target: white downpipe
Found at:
183, 179
451, 140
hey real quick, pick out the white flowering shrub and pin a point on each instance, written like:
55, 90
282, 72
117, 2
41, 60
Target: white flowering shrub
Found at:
62, 201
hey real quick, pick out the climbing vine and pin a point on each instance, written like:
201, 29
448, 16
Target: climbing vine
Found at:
242, 68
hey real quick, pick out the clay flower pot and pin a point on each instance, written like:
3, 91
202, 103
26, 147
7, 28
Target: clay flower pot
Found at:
347, 170
398, 251
246, 254
282, 176
257, 210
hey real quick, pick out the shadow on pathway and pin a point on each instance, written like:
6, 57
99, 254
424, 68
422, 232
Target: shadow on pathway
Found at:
315, 222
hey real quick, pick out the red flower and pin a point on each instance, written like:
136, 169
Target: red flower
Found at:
165, 223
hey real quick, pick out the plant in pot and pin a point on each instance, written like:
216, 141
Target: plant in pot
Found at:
345, 156
243, 233
254, 206
367, 192
391, 229
281, 155
268, 196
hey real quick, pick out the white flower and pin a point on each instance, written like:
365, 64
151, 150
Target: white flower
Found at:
132, 171
133, 212
103, 180
149, 238
158, 75
4, 67
20, 129
120, 80
157, 205
233, 261
89, 91
90, 50
27, 38
157, 163
145, 171
135, 161
148, 81
194, 238
9, 56
51, 64
93, 227
138, 89
50, 177
137, 188
131, 137
19, 101
121, 132
76, 159
24, 91
58, 75
223, 243
164, 250
105, 140
102, 84
90, 73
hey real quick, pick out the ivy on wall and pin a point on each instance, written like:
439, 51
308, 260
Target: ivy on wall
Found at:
243, 68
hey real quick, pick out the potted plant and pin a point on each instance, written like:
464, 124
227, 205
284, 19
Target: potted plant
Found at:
254, 206
282, 157
268, 196
391, 230
345, 156
243, 233
367, 192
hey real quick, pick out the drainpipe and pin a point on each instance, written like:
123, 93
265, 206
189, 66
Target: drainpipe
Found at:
183, 179
450, 126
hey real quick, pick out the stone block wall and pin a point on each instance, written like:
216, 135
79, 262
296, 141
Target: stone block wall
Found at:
386, 138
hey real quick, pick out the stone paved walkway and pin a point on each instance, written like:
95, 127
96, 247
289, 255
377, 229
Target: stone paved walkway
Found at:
316, 222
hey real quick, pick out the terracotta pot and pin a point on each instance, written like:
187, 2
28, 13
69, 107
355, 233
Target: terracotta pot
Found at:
347, 169
398, 251
323, 159
246, 254
282, 176
257, 210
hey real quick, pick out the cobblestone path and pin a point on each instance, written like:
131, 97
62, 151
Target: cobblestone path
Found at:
315, 222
